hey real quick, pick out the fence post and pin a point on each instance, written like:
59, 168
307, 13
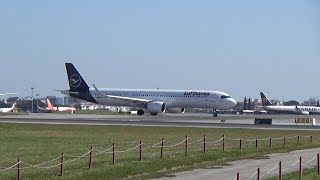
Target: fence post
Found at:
61, 165
270, 141
90, 158
256, 143
161, 150
240, 143
204, 144
186, 146
19, 169
258, 174
298, 139
300, 168
280, 171
284, 141
113, 153
318, 163
140, 150
223, 137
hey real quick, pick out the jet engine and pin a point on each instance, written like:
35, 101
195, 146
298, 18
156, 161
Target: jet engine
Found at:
176, 110
156, 107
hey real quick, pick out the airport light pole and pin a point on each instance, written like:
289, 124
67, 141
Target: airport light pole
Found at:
37, 95
32, 99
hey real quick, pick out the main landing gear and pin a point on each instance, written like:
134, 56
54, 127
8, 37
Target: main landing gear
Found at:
215, 114
140, 112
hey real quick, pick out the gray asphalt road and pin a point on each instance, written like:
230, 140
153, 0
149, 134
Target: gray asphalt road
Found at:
247, 168
174, 120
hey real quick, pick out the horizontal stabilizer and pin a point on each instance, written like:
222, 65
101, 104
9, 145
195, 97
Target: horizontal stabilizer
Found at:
140, 102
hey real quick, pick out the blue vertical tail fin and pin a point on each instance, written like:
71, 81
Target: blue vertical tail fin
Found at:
76, 82
78, 87
265, 100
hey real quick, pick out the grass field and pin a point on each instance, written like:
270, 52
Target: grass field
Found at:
11, 114
35, 144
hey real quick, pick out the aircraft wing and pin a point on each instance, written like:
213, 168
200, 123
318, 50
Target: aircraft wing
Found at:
134, 101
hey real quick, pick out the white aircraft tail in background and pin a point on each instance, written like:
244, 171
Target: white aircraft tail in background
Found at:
5, 110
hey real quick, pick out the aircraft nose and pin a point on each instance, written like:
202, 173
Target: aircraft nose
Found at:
232, 102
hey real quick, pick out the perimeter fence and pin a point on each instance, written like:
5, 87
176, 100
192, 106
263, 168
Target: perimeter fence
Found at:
159, 149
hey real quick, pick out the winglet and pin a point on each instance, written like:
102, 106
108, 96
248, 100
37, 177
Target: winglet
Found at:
97, 90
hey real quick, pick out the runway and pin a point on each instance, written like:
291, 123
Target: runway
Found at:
168, 120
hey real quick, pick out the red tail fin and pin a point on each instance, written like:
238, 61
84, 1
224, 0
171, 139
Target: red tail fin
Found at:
50, 105
14, 104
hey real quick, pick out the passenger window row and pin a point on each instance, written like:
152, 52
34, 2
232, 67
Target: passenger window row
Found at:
144, 95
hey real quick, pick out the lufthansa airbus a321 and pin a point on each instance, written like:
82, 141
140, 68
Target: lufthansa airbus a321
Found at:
153, 101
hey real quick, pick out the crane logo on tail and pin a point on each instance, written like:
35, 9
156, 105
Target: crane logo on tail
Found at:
75, 80
264, 100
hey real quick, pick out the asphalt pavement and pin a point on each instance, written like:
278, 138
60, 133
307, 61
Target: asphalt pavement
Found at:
247, 168
284, 122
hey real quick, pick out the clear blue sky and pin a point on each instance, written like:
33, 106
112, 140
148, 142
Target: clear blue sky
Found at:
239, 47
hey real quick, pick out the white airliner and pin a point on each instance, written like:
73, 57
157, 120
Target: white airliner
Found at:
153, 101
50, 107
5, 110
306, 110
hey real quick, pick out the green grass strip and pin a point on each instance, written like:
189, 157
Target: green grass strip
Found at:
35, 144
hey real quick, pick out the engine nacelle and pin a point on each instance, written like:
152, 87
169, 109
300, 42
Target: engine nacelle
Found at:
176, 110
305, 113
156, 107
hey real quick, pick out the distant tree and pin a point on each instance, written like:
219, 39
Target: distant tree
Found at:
77, 106
5, 105
249, 104
245, 103
253, 105
238, 107
25, 105
291, 103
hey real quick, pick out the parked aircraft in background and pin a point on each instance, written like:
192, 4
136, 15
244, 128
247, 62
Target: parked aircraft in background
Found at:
5, 110
50, 107
267, 105
153, 101
4, 94
43, 110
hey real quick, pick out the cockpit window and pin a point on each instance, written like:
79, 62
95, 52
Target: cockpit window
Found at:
225, 97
